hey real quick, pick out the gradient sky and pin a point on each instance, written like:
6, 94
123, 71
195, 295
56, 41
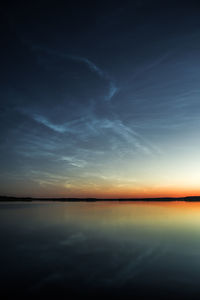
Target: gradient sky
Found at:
100, 99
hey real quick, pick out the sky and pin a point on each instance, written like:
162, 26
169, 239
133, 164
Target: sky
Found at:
100, 99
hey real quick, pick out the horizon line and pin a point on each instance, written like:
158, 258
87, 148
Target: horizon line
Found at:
27, 198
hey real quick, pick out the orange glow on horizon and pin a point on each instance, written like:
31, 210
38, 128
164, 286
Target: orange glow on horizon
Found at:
127, 193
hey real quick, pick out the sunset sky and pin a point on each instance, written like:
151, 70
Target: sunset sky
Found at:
100, 99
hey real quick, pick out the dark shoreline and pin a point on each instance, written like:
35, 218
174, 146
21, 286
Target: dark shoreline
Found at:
160, 199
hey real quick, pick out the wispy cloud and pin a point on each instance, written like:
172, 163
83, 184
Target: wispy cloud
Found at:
92, 126
44, 121
91, 65
73, 161
148, 66
113, 90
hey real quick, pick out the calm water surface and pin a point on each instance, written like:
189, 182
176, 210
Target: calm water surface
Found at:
136, 250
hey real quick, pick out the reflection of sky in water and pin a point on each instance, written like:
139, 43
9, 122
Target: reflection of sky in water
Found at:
151, 248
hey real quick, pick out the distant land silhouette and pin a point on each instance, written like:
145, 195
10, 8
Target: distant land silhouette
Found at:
29, 199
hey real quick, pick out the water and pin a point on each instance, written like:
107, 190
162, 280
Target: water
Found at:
136, 250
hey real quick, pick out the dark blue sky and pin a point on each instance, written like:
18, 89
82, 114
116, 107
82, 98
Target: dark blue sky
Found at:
100, 99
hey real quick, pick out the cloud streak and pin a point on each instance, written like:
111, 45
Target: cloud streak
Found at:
101, 127
91, 65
